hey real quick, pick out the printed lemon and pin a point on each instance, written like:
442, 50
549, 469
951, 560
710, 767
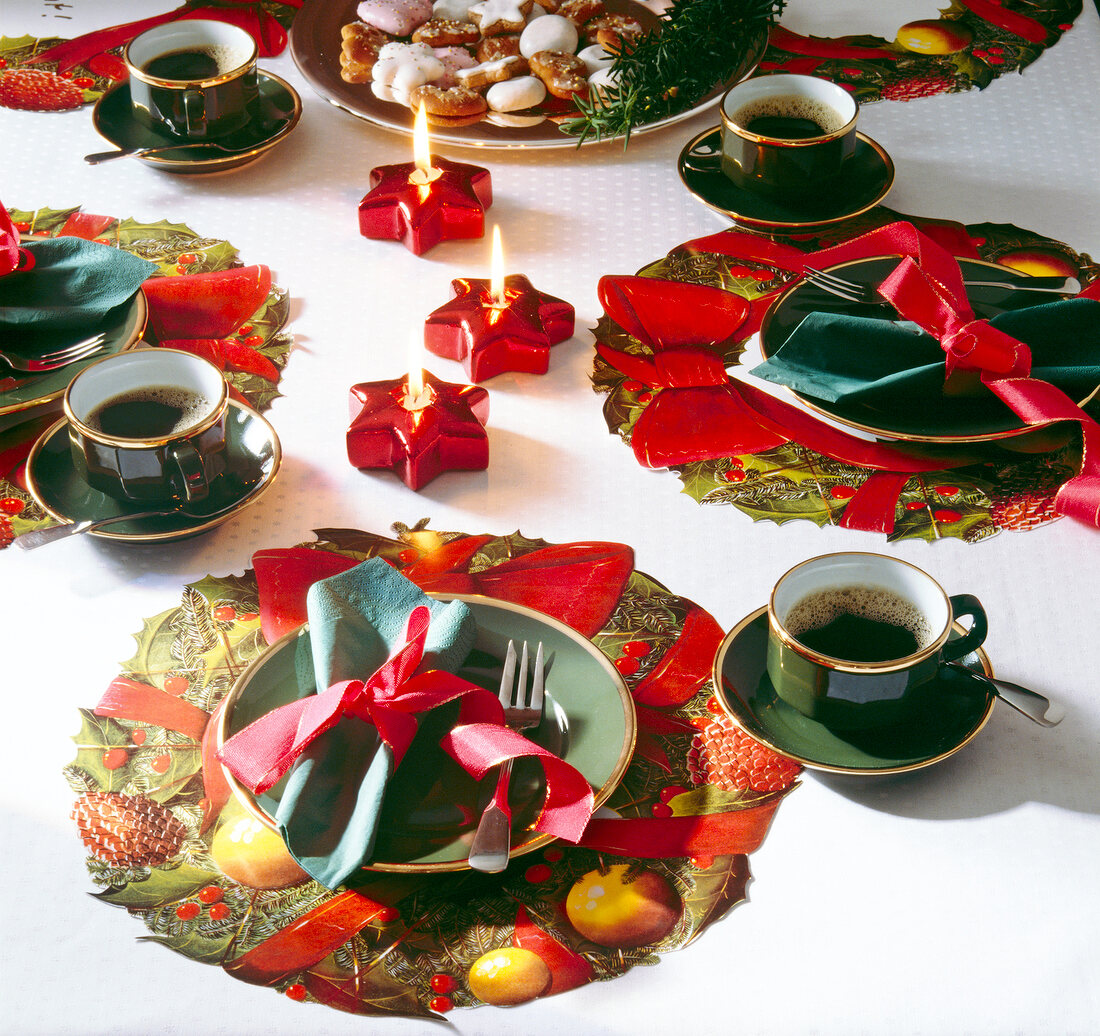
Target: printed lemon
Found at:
253, 854
621, 909
1038, 262
508, 976
929, 36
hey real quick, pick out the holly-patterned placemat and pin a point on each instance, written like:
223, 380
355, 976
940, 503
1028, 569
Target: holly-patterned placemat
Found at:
972, 43
252, 358
1008, 490
167, 842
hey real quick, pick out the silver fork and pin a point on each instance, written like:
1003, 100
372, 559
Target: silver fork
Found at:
853, 291
58, 358
493, 838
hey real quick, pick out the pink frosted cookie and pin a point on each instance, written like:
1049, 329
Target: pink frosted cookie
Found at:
453, 59
397, 17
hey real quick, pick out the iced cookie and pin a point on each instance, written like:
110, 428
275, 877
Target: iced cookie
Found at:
564, 74
456, 106
603, 81
498, 17
614, 31
453, 58
488, 72
401, 66
397, 17
493, 48
456, 10
445, 32
595, 58
579, 11
550, 32
516, 94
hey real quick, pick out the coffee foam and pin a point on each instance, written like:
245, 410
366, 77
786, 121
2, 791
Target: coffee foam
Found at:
869, 602
192, 406
224, 56
790, 106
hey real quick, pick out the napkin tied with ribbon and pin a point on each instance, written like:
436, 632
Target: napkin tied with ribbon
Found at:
380, 653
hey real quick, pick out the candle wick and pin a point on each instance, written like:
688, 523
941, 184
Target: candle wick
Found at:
422, 399
422, 177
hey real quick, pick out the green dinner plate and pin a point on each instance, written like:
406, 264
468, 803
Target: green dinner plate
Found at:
253, 455
121, 328
432, 806
943, 419
747, 694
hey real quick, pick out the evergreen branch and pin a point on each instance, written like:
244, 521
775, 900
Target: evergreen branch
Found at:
696, 45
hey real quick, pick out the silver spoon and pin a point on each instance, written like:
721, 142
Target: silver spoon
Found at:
1030, 703
141, 152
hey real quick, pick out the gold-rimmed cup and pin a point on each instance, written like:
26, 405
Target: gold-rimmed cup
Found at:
195, 79
149, 425
856, 639
787, 137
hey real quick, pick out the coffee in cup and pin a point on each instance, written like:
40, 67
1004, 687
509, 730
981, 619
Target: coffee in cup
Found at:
855, 639
787, 137
194, 79
149, 425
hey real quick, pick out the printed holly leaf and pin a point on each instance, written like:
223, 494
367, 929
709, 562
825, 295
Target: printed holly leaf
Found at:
164, 885
373, 992
97, 738
196, 945
49, 220
503, 548
717, 889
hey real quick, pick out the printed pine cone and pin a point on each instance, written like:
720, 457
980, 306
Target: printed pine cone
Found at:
725, 756
127, 830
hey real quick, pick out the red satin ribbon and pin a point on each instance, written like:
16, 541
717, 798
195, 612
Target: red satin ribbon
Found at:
263, 26
12, 257
927, 288
261, 754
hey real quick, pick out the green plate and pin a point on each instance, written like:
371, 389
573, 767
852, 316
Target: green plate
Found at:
253, 455
942, 419
746, 693
121, 327
432, 806
280, 109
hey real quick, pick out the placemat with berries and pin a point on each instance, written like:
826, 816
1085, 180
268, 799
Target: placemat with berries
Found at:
53, 74
252, 358
167, 841
1008, 489
972, 43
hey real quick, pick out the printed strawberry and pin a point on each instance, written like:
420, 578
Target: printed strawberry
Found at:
723, 755
128, 830
38, 91
917, 86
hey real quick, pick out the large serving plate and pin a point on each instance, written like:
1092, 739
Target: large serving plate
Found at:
940, 419
432, 806
315, 46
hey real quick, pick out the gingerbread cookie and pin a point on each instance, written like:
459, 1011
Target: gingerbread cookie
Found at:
453, 59
493, 48
499, 17
397, 17
456, 106
359, 51
479, 77
564, 74
445, 32
614, 32
579, 11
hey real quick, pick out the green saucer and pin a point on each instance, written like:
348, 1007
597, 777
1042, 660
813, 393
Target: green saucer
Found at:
867, 179
121, 328
747, 694
279, 109
253, 455
432, 806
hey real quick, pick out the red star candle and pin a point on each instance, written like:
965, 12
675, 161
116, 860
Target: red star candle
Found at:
418, 427
497, 325
428, 200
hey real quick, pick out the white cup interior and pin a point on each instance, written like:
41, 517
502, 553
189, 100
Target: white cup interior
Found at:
820, 92
234, 48
140, 369
872, 570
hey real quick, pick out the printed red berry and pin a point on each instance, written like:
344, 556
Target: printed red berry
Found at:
187, 258
138, 736
714, 705
945, 514
176, 684
947, 490
113, 758
633, 386
440, 1004
38, 91
211, 894
669, 793
842, 492
243, 330
725, 756
702, 863
537, 874
627, 666
915, 505
552, 855
645, 397
740, 271
84, 82
296, 991
161, 763
188, 911
637, 648
225, 613
660, 810
110, 66
3, 62
407, 557
441, 983
762, 275
253, 340
22, 227
387, 914
12, 505
734, 475
219, 912
65, 75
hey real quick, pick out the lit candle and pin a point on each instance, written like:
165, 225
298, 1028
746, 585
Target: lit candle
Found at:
497, 325
418, 427
428, 200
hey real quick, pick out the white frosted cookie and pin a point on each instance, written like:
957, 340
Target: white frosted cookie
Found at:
495, 17
397, 17
401, 66
512, 120
550, 32
595, 58
516, 94
453, 59
455, 10
603, 80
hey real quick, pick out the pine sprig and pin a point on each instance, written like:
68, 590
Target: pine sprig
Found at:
696, 45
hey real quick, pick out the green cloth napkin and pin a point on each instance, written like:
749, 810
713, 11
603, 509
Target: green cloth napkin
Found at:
840, 358
328, 813
74, 284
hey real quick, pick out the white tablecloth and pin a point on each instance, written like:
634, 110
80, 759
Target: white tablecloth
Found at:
959, 899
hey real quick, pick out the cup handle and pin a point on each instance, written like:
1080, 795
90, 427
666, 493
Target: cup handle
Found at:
194, 112
192, 475
966, 604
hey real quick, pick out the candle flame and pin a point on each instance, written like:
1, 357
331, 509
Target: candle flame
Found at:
416, 381
496, 281
422, 154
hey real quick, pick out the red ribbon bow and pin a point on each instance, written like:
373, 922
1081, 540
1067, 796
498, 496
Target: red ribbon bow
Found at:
262, 753
12, 257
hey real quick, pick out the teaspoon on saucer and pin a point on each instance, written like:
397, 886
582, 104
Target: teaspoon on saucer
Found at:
141, 152
1030, 703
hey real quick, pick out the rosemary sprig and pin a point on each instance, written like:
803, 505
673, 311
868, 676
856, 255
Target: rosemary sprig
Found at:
696, 45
